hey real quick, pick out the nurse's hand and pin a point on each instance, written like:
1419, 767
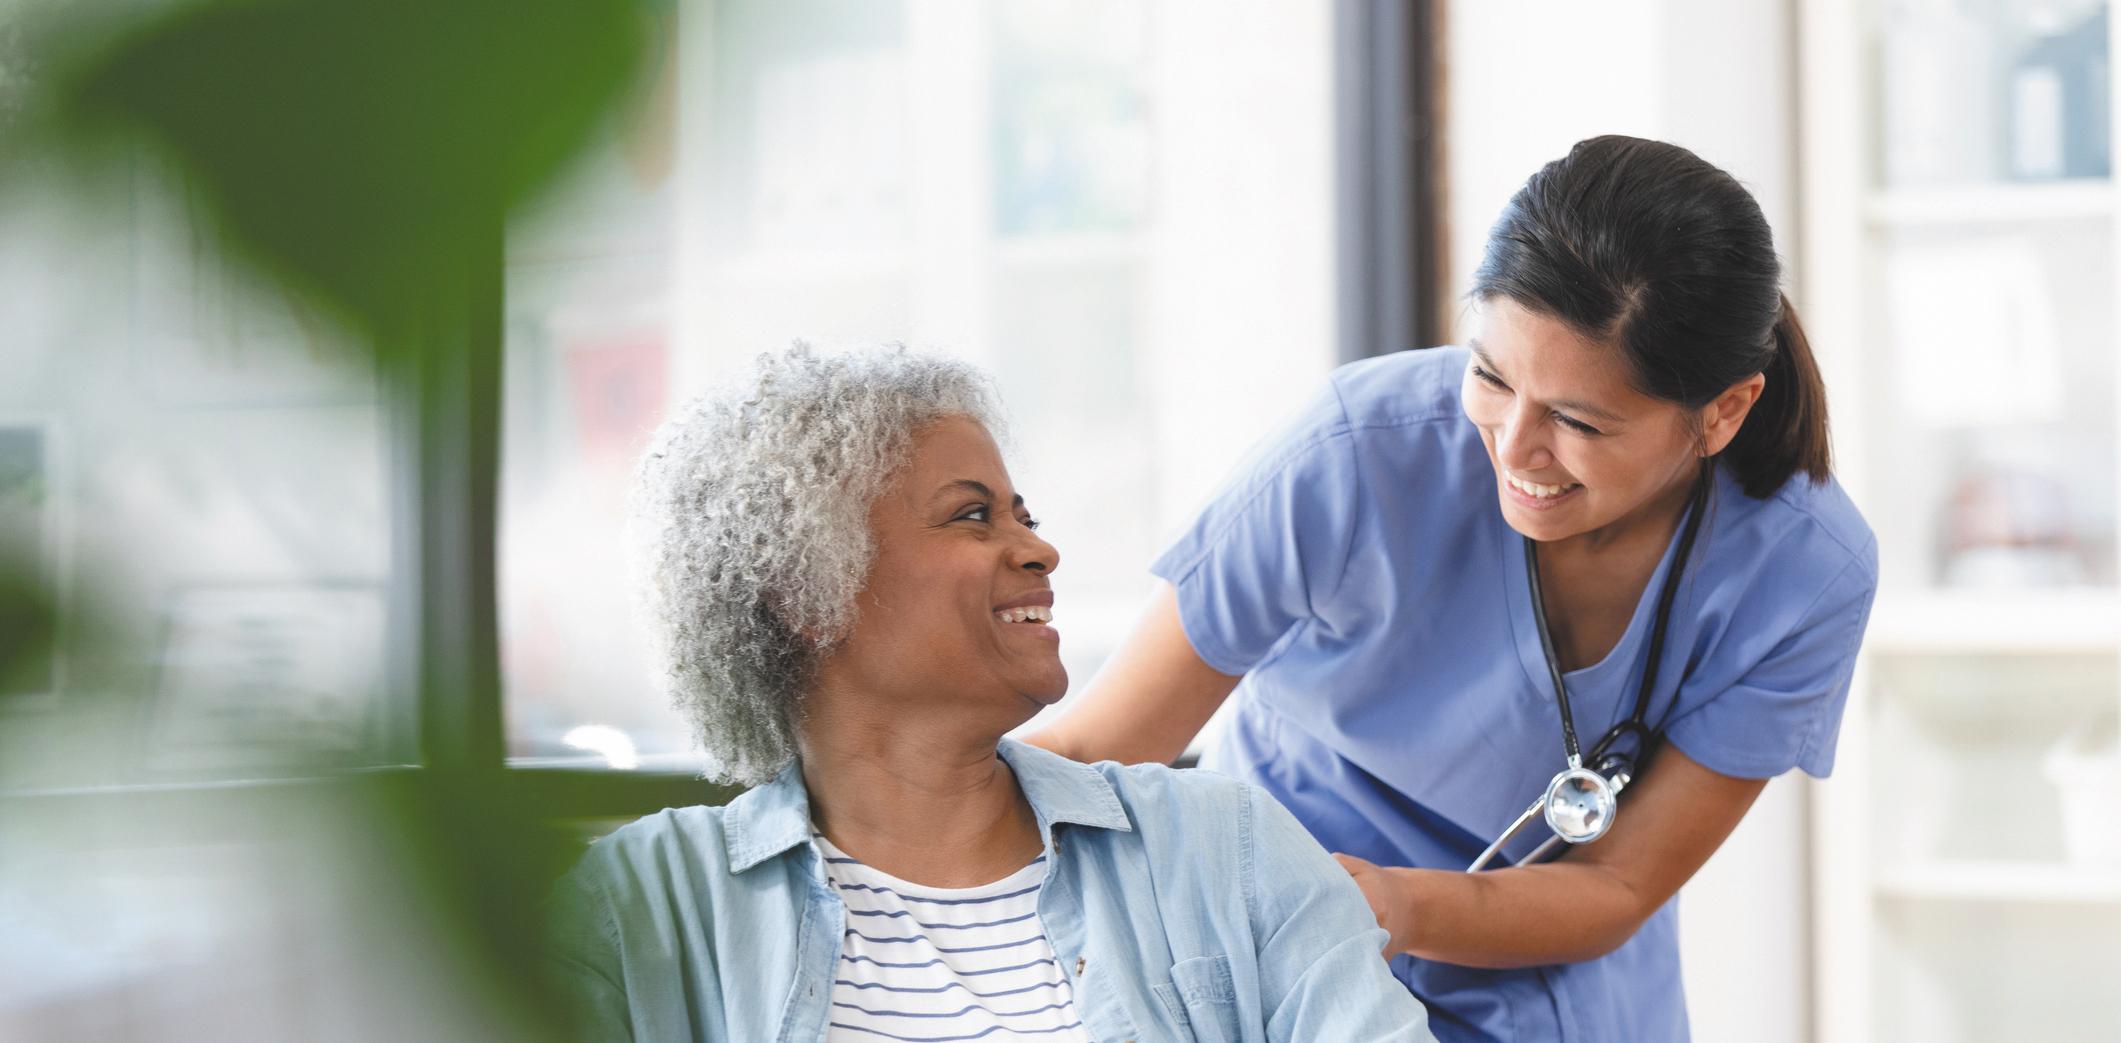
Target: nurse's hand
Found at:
1385, 891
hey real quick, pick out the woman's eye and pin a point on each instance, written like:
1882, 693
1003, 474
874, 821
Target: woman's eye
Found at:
1577, 426
978, 514
1489, 379
1031, 523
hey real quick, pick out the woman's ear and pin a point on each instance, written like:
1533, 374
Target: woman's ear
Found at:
1721, 418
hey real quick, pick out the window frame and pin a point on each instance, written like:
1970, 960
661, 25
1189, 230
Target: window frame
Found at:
1388, 138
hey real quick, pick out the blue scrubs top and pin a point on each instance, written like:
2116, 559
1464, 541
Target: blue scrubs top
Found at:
1358, 572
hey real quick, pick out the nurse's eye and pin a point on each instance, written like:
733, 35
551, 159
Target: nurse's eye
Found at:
1576, 425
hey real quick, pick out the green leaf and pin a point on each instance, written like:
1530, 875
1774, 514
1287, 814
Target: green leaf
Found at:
363, 153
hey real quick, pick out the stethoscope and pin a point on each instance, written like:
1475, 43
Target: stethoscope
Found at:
1581, 802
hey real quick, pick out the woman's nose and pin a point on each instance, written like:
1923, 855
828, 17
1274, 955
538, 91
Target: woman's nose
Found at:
1034, 554
1520, 443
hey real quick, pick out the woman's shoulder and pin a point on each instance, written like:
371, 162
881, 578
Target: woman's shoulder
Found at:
1112, 794
1407, 426
1197, 815
1808, 525
1406, 398
1412, 387
1400, 390
1229, 843
1827, 508
1181, 793
652, 845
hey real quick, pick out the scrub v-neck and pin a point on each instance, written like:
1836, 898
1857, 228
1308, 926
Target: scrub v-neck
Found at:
1597, 677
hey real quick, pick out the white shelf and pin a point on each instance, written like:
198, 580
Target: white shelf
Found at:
1980, 681
1940, 622
2074, 200
2001, 882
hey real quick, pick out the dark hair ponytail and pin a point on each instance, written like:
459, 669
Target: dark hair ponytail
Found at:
1645, 245
1786, 431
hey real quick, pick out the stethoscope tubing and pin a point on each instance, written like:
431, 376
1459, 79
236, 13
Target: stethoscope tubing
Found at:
1637, 719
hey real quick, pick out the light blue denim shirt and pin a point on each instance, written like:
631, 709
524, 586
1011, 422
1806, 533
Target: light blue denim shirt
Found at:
1183, 906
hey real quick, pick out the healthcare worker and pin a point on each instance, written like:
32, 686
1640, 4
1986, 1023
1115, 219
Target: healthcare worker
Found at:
1463, 565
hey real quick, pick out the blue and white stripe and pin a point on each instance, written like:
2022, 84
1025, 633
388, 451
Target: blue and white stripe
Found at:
940, 965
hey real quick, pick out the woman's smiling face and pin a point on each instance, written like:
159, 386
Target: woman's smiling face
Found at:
956, 606
1574, 446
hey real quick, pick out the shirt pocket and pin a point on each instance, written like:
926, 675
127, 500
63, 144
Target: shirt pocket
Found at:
1200, 995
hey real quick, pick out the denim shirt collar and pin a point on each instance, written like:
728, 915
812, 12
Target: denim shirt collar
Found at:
770, 819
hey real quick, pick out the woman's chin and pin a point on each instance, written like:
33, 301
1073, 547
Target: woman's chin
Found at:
1538, 525
1050, 692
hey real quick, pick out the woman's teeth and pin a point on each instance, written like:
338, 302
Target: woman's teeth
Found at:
1028, 614
1544, 492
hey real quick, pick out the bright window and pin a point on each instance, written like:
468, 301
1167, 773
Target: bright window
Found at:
1124, 211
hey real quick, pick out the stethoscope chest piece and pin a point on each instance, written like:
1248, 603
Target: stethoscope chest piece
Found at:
1579, 805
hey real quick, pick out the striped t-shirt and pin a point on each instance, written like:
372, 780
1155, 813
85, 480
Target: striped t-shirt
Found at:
935, 964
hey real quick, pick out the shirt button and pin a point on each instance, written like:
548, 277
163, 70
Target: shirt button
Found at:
1079, 966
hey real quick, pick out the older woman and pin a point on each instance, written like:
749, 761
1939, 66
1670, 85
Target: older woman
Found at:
854, 608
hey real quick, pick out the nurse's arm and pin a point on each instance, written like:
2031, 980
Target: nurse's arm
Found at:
1580, 907
1150, 700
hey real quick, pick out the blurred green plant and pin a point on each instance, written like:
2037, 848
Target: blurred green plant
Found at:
29, 626
361, 153
362, 157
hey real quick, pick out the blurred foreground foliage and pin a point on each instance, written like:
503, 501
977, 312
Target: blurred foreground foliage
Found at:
360, 153
361, 156
29, 628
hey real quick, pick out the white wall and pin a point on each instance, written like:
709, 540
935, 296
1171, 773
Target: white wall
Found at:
1525, 79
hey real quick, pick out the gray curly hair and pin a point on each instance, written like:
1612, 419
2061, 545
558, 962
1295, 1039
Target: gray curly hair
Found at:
750, 515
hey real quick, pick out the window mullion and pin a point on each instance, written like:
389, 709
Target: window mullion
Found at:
1386, 144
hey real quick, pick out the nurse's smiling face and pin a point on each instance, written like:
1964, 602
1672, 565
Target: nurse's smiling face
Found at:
1577, 449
